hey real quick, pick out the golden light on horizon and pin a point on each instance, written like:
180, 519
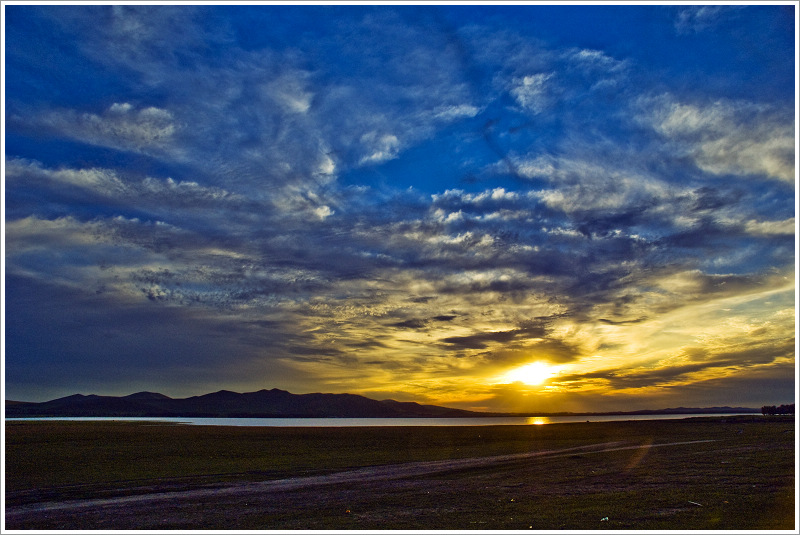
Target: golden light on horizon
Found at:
538, 420
534, 373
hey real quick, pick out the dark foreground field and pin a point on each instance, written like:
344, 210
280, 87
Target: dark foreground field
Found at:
727, 473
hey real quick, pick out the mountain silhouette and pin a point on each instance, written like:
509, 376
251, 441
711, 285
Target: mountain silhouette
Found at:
263, 404
278, 403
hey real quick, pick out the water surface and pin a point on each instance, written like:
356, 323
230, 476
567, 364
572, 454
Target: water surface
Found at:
377, 422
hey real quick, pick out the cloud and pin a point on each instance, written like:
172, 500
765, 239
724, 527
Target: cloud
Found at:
277, 119
448, 113
729, 362
121, 126
410, 324
493, 195
142, 39
531, 92
597, 59
768, 228
32, 233
291, 92
728, 137
695, 19
185, 203
103, 182
598, 188
380, 147
484, 339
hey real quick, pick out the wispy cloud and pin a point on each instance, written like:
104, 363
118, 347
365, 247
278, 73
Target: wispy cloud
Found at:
120, 126
693, 19
728, 137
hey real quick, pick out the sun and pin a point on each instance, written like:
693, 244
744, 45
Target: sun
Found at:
534, 373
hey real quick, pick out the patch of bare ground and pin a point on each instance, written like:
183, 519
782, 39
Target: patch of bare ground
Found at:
643, 478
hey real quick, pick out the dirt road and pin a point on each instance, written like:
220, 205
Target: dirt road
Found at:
133, 510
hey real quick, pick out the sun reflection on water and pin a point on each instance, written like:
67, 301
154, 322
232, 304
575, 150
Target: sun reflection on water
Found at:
538, 420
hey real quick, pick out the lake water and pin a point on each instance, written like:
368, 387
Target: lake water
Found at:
378, 422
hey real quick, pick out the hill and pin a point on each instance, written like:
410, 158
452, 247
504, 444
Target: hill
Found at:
277, 403
263, 404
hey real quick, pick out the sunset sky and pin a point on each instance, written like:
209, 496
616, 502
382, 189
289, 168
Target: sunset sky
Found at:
505, 208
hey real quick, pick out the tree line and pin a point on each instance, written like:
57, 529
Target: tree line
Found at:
772, 409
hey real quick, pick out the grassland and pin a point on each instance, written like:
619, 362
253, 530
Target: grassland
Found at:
722, 473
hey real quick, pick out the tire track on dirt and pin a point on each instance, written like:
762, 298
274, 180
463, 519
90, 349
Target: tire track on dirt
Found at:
359, 475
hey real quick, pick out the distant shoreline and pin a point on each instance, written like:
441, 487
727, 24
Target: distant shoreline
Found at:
654, 412
277, 403
465, 416
343, 423
645, 412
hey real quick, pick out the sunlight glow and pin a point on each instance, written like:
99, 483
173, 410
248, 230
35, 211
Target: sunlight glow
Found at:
538, 420
531, 374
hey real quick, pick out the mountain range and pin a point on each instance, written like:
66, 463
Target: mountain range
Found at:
273, 403
261, 404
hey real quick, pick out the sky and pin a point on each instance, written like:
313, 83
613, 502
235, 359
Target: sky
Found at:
488, 207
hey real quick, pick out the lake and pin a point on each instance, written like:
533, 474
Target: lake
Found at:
380, 422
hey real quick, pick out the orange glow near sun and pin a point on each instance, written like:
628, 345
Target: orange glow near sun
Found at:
534, 373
